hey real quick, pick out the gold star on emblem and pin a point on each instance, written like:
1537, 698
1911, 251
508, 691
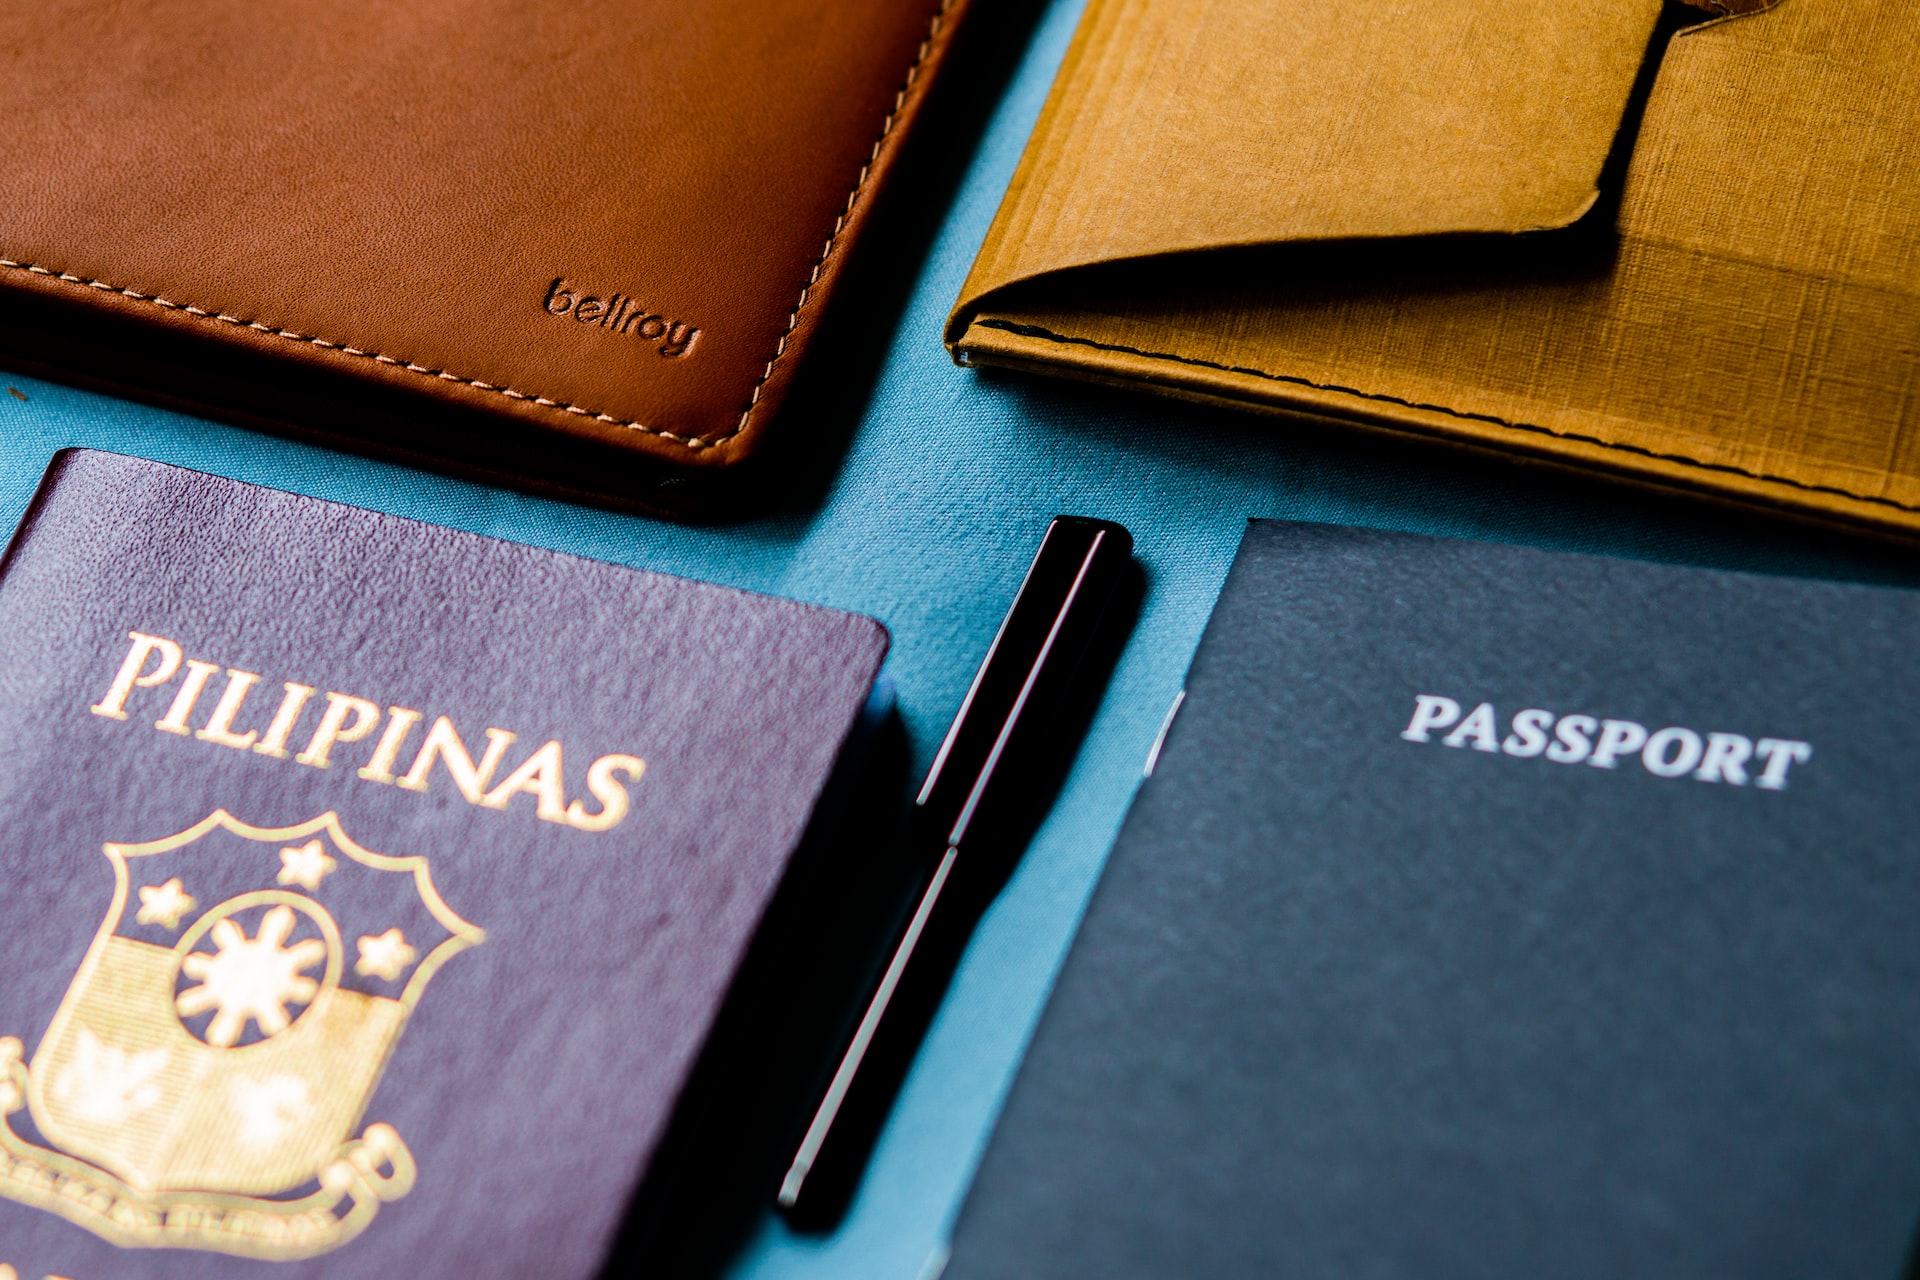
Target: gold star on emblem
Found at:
164, 904
306, 865
386, 956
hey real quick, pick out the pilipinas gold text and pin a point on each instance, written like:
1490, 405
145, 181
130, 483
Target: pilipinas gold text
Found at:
344, 719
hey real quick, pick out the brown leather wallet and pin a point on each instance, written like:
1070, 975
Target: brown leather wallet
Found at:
575, 242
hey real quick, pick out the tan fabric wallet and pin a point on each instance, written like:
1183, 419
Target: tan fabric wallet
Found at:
583, 242
1677, 249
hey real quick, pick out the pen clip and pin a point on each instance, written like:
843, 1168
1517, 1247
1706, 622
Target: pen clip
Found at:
1038, 643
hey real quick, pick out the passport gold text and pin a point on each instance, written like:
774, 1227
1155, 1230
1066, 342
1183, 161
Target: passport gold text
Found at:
214, 703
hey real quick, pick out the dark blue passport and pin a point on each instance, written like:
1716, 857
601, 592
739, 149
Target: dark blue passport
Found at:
372, 891
1493, 912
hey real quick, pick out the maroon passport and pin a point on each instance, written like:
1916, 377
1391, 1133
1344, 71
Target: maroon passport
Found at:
372, 890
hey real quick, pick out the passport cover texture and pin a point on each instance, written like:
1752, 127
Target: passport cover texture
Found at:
554, 225
1492, 912
1614, 234
371, 889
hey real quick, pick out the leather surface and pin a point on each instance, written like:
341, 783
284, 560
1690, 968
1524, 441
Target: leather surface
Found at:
539, 1068
1740, 317
397, 193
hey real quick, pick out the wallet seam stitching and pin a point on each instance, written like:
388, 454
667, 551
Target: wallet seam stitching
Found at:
689, 442
1036, 331
840, 223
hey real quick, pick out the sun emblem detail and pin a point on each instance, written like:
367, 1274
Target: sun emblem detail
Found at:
250, 980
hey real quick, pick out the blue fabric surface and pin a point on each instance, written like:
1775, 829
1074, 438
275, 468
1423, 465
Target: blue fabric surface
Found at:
928, 524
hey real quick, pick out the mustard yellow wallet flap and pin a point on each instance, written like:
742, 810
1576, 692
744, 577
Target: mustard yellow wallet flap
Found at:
1684, 251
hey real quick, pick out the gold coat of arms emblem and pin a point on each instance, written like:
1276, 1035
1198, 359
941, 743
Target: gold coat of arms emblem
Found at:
204, 1081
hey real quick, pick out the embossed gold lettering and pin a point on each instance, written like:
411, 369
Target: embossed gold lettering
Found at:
347, 719
133, 673
198, 673
607, 790
219, 726
400, 722
541, 775
153, 661
281, 727
443, 743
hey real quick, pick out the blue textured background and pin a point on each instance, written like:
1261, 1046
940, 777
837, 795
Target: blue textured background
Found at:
927, 523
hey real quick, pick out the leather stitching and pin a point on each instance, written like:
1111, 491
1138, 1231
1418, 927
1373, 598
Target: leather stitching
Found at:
690, 442
1035, 331
840, 223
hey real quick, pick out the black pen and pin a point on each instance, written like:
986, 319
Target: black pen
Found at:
970, 791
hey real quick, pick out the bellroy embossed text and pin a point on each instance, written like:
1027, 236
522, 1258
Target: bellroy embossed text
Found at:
1665, 753
153, 661
621, 314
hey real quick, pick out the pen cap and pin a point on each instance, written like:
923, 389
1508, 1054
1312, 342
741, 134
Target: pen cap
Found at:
979, 768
